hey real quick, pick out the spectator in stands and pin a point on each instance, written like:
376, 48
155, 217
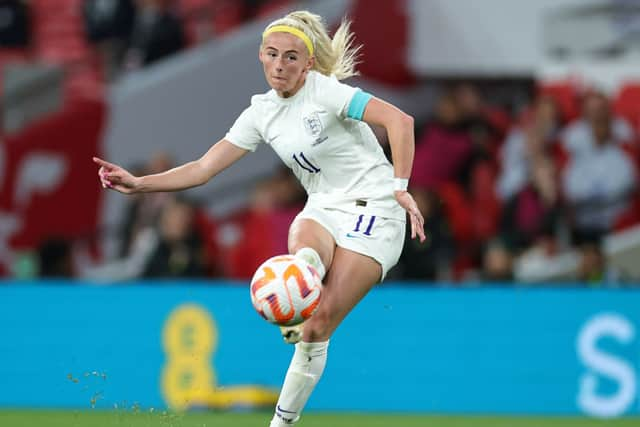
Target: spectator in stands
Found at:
173, 247
532, 216
444, 148
579, 135
432, 259
108, 24
473, 111
600, 178
459, 138
157, 33
535, 138
528, 183
144, 209
497, 262
475, 120
15, 24
454, 157
179, 251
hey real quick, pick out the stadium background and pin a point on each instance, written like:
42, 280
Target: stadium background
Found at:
131, 311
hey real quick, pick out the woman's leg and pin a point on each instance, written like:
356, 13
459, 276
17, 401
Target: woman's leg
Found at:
349, 278
313, 243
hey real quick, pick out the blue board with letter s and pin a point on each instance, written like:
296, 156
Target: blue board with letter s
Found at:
183, 344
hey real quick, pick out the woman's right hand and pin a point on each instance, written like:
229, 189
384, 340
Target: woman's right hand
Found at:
116, 178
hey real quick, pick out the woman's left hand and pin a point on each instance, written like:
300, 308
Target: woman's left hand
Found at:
417, 221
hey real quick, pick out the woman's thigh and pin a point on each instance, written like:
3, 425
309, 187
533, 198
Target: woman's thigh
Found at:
307, 232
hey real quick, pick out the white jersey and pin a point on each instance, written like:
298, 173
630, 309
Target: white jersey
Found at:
337, 159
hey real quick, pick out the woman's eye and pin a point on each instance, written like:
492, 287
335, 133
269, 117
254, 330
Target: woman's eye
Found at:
291, 58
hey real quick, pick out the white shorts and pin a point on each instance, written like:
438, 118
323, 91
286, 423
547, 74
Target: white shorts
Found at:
379, 238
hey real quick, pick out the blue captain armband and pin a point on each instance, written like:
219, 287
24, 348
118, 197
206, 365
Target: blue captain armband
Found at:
357, 105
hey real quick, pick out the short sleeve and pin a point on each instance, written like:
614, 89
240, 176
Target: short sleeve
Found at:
244, 132
334, 95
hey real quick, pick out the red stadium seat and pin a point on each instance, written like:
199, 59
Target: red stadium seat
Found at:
273, 7
196, 16
59, 38
228, 15
207, 229
458, 211
627, 103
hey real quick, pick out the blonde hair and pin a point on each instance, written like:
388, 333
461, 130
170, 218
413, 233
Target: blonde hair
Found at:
334, 56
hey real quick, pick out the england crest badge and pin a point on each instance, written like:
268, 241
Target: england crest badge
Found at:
313, 124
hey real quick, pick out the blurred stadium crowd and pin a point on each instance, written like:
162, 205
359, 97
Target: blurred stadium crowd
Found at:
511, 191
98, 40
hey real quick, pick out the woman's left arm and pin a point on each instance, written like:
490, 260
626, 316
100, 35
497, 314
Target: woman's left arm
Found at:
399, 126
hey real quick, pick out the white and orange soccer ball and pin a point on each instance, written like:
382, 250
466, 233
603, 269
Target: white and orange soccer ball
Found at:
285, 290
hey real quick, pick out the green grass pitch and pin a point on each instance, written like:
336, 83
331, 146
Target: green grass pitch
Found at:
21, 418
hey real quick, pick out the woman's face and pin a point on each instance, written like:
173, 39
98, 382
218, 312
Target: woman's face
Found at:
546, 115
286, 61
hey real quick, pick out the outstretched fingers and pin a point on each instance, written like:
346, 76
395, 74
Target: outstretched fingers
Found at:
415, 216
104, 180
417, 225
104, 163
103, 172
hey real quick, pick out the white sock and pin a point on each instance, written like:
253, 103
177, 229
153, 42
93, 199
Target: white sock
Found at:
304, 372
312, 257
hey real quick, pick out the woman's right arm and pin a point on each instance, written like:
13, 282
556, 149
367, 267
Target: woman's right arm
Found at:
192, 174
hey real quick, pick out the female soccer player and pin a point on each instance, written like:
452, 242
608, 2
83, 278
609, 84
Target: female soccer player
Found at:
352, 227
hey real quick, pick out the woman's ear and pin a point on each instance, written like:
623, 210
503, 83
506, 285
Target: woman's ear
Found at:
310, 63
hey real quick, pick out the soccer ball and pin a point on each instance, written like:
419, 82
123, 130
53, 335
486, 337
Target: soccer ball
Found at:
285, 290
